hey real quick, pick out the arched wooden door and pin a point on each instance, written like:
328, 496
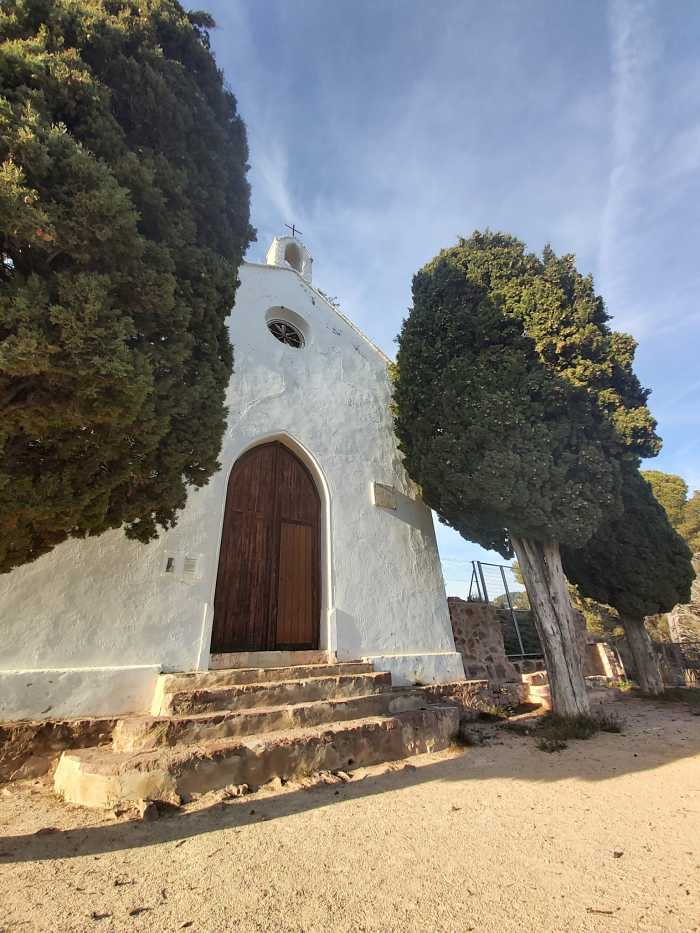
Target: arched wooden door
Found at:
268, 586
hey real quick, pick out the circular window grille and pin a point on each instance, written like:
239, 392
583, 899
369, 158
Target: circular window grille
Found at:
286, 333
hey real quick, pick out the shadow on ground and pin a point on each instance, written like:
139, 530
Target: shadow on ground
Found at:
676, 735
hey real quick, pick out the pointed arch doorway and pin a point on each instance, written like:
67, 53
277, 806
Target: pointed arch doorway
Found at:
268, 585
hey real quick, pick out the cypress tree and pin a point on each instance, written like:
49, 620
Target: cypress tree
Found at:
689, 526
516, 408
683, 512
124, 216
638, 564
671, 492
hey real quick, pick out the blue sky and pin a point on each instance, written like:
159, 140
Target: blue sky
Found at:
386, 128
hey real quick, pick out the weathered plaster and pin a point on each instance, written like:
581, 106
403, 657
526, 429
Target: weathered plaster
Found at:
86, 691
107, 603
425, 668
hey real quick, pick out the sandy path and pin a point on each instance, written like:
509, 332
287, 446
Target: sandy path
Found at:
499, 838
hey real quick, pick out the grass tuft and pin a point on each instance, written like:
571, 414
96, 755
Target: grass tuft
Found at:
551, 745
489, 712
578, 727
609, 722
568, 727
521, 727
689, 695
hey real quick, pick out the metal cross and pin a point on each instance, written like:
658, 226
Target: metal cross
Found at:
294, 230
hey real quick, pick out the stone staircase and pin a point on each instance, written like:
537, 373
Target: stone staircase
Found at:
248, 725
537, 690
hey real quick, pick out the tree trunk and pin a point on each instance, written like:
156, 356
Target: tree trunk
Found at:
640, 644
540, 563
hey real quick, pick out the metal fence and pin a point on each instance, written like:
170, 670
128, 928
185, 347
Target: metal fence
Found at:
499, 585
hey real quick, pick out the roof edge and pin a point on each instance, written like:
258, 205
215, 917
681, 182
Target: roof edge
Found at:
336, 311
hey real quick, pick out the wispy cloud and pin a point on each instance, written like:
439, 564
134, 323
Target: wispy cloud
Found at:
259, 88
645, 269
272, 176
683, 153
689, 392
634, 51
384, 131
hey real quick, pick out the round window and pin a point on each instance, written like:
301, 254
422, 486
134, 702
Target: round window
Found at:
286, 333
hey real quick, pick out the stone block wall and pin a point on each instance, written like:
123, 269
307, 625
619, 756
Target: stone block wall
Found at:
479, 639
684, 619
601, 660
38, 744
674, 668
478, 636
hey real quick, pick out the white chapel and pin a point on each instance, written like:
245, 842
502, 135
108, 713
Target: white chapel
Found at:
310, 539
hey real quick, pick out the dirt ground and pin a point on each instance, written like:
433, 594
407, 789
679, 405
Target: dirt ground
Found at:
603, 836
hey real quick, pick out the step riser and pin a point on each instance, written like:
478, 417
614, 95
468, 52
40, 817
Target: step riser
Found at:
206, 680
259, 761
540, 694
253, 696
142, 734
269, 659
536, 678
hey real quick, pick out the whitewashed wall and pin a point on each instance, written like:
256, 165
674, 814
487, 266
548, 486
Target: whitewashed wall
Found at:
90, 625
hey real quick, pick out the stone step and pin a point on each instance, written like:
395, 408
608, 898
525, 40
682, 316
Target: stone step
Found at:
539, 693
204, 680
98, 777
269, 658
138, 733
538, 689
276, 693
535, 678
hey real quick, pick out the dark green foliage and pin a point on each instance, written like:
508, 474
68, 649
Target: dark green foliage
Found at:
671, 492
516, 405
636, 563
124, 216
689, 526
683, 513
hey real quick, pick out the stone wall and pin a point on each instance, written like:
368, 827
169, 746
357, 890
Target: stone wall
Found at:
684, 619
601, 660
674, 667
28, 749
675, 671
479, 639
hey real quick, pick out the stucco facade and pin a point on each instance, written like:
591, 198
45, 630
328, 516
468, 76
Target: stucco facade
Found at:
87, 628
